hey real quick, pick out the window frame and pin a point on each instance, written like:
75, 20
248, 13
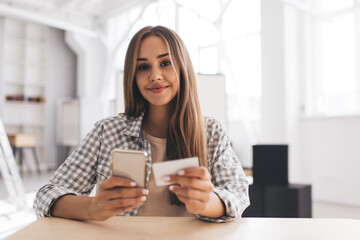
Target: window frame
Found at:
222, 59
311, 60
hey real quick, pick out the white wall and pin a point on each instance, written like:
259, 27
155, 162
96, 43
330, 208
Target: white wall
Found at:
2, 50
273, 94
91, 62
60, 81
330, 151
212, 96
243, 136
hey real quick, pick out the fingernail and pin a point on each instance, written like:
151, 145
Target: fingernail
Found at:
143, 198
181, 172
133, 184
171, 187
145, 191
166, 178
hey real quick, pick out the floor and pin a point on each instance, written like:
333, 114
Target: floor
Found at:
331, 210
13, 218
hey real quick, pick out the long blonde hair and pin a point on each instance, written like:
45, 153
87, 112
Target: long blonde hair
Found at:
186, 133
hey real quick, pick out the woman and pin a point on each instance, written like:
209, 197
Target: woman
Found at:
162, 117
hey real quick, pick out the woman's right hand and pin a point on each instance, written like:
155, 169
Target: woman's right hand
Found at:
116, 195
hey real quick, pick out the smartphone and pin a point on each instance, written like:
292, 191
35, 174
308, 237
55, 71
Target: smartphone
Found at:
129, 164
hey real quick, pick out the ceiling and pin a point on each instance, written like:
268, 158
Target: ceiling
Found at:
85, 16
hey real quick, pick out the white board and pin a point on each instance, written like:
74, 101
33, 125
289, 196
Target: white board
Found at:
212, 94
68, 122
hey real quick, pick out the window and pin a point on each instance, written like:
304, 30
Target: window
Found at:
333, 84
222, 36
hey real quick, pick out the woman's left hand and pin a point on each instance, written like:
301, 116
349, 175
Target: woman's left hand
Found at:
194, 188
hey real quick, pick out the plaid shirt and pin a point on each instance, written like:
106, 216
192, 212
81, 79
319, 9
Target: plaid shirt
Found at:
89, 165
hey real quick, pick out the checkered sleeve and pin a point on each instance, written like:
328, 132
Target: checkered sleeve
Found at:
77, 175
227, 174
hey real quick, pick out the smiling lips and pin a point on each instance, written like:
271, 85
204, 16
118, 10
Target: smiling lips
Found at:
157, 88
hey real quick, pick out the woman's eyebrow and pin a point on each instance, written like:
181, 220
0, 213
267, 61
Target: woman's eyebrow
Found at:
160, 56
163, 55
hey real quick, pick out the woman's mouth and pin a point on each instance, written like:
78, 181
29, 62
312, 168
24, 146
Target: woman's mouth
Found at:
157, 89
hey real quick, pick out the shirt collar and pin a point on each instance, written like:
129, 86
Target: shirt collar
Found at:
134, 126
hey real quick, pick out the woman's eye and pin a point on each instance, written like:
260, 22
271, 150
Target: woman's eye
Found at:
166, 63
143, 67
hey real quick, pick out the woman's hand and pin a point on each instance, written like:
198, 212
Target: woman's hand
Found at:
194, 188
116, 195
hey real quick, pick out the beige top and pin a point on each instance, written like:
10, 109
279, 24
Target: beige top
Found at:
158, 200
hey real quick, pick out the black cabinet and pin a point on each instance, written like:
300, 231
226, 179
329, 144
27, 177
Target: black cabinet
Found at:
270, 194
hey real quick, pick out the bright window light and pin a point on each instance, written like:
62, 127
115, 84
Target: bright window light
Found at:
222, 36
327, 6
334, 79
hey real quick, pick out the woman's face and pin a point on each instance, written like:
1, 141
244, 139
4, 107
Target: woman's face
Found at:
155, 75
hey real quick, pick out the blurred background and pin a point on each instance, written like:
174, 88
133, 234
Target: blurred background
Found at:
283, 72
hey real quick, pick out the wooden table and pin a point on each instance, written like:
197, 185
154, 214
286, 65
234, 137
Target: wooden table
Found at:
191, 228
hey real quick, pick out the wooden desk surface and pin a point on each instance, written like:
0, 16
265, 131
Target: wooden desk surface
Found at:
191, 228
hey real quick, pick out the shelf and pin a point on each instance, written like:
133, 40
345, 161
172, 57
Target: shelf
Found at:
14, 51
27, 84
34, 84
12, 62
24, 113
22, 104
35, 32
36, 42
12, 128
26, 73
24, 66
15, 28
15, 40
12, 59
40, 64
17, 83
35, 62
17, 125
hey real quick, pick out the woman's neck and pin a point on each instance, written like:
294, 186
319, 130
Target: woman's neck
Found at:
156, 120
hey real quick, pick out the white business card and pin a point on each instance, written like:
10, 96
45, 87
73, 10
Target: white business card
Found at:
172, 167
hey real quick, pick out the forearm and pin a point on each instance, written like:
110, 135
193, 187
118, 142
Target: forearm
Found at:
73, 207
215, 207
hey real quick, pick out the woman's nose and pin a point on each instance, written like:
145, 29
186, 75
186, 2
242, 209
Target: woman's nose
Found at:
156, 74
